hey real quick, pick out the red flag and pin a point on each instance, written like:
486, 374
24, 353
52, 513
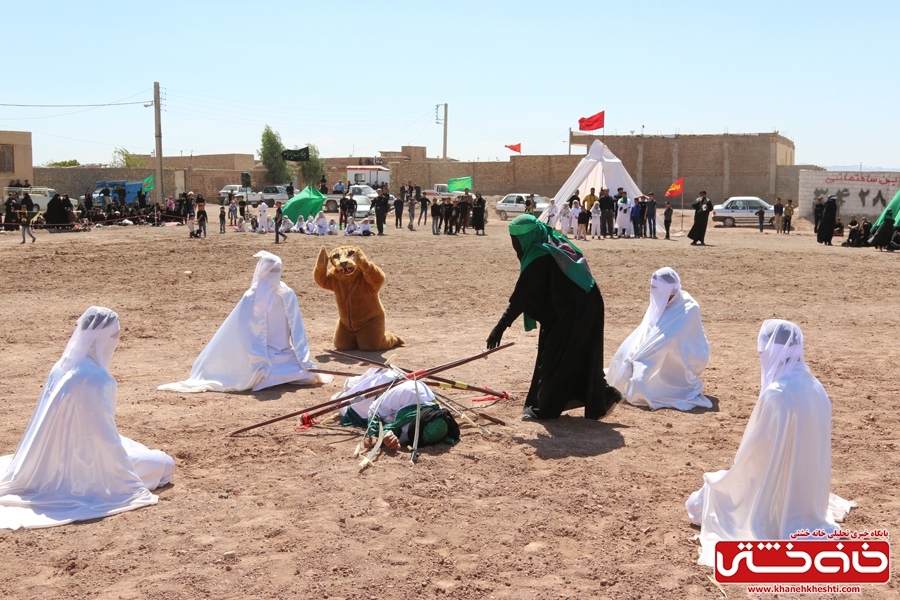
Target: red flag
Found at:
676, 188
515, 147
592, 123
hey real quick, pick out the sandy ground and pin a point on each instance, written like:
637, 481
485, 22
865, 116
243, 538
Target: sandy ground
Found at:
565, 509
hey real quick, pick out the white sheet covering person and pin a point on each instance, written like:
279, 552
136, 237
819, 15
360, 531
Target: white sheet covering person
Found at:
660, 364
402, 394
71, 464
262, 342
781, 478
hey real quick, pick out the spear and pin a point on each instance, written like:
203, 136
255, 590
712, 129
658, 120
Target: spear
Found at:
372, 391
447, 383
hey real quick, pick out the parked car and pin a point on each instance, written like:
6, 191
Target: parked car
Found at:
332, 201
39, 195
514, 205
442, 190
742, 210
274, 193
252, 198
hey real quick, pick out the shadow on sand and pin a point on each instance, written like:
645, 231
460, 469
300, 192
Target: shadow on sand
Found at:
574, 436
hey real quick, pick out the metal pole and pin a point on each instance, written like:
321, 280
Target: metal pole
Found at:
445, 131
570, 141
160, 194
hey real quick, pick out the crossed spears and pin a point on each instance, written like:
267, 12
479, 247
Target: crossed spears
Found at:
308, 414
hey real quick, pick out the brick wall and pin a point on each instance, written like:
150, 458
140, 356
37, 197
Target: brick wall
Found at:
788, 184
858, 193
227, 162
75, 180
22, 167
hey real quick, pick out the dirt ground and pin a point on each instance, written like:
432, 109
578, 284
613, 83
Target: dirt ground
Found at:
564, 509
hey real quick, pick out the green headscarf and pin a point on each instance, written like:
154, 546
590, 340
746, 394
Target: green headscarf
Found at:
537, 239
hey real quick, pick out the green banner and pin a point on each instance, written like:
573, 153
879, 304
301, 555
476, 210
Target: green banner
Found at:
148, 184
459, 184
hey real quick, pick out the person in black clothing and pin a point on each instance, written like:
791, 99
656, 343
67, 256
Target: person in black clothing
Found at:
667, 218
826, 224
398, 212
465, 207
201, 219
702, 209
279, 221
342, 209
478, 209
556, 289
644, 214
423, 209
447, 216
454, 217
573, 198
27, 202
104, 194
607, 213
351, 206
884, 233
12, 211
381, 206
437, 210
120, 192
242, 204
818, 210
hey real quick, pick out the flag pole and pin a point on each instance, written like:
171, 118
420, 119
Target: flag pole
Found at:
682, 208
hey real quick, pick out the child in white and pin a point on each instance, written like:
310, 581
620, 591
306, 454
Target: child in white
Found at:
595, 220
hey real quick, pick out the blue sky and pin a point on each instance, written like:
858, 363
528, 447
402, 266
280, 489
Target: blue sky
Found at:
358, 77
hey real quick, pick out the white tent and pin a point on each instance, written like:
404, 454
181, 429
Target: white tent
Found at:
599, 169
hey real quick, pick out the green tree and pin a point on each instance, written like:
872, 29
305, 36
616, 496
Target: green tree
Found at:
270, 154
123, 159
63, 163
313, 170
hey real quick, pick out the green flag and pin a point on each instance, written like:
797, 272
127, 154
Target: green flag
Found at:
894, 207
459, 184
148, 184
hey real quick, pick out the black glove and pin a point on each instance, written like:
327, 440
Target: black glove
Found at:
496, 335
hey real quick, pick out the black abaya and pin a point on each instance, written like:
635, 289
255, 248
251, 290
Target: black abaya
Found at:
569, 365
826, 224
478, 214
701, 219
884, 234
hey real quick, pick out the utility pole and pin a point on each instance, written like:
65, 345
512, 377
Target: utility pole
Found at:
160, 194
445, 131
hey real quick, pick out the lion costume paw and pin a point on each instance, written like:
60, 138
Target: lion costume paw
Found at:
355, 282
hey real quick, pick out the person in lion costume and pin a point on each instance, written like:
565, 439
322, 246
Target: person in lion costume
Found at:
355, 283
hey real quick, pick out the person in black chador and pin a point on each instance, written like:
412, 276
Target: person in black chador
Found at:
884, 233
702, 209
826, 224
556, 289
56, 214
478, 208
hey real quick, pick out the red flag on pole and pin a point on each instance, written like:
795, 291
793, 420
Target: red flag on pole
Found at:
592, 123
676, 188
515, 147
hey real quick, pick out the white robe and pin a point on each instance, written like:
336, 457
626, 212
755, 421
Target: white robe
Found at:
550, 216
71, 463
262, 342
623, 216
595, 219
660, 364
351, 229
322, 226
781, 478
386, 405
573, 218
563, 219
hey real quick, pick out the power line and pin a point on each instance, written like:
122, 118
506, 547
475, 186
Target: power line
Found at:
76, 105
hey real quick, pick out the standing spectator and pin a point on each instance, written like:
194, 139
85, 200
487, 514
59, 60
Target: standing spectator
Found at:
667, 218
454, 217
589, 201
411, 206
761, 213
788, 215
818, 211
584, 219
404, 192
201, 220
827, 222
447, 216
232, 213
417, 190
423, 208
242, 205
651, 215
574, 212
221, 219
595, 220
25, 224
636, 217
120, 192
529, 203
279, 221
643, 203
436, 212
351, 206
398, 212
607, 213
465, 208
88, 200
779, 214
479, 207
574, 198
342, 211
380, 204
702, 209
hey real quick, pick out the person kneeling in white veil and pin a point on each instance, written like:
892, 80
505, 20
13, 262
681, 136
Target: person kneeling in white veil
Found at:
262, 343
781, 478
71, 464
659, 365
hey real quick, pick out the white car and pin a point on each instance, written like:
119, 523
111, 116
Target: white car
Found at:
514, 205
742, 209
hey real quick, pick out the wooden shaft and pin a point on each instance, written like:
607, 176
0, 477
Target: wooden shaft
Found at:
375, 390
338, 373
